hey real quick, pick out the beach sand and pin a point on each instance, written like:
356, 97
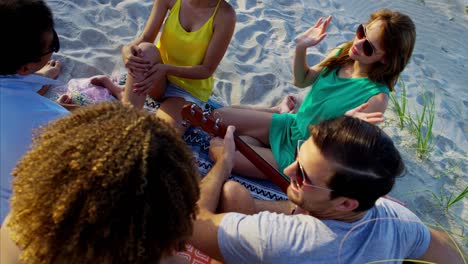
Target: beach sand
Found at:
257, 69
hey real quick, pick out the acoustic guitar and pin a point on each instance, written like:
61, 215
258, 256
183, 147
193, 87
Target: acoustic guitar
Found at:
193, 114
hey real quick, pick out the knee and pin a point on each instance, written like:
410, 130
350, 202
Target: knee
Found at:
236, 198
150, 52
233, 190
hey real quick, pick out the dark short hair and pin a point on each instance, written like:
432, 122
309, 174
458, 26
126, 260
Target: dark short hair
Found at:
365, 160
106, 184
22, 25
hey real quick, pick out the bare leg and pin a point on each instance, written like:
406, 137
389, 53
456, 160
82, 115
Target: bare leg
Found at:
245, 167
150, 53
248, 122
106, 82
287, 105
51, 70
236, 198
255, 124
169, 111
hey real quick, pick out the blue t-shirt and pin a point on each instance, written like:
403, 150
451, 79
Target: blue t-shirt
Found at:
388, 231
21, 111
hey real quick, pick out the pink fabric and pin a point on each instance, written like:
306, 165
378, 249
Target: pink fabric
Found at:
82, 92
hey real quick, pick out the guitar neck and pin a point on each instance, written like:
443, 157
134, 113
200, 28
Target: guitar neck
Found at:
265, 167
198, 117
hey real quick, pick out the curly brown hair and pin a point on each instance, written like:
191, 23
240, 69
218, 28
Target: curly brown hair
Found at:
106, 184
398, 39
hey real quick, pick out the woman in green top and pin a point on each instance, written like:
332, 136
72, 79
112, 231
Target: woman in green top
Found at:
357, 75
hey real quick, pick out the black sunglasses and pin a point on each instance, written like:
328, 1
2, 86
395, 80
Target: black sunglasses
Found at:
366, 46
301, 172
55, 45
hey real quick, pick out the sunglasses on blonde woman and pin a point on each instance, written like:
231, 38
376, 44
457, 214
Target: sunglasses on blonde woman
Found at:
301, 174
366, 46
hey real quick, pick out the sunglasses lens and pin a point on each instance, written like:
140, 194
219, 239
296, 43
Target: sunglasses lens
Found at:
367, 48
299, 177
56, 42
360, 32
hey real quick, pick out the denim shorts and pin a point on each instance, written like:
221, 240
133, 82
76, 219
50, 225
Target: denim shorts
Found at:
173, 90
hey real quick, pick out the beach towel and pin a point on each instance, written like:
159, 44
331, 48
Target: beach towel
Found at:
83, 93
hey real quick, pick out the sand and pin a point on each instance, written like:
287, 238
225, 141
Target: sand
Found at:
257, 69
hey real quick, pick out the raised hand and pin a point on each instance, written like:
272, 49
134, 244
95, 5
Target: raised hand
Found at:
373, 118
134, 62
157, 73
315, 34
224, 149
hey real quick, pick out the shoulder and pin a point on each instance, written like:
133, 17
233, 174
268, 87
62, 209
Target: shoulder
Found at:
262, 223
390, 208
225, 14
166, 4
265, 236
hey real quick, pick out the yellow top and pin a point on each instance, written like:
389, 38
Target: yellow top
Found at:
181, 48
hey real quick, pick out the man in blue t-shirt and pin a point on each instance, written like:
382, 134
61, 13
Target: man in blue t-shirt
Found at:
28, 43
335, 212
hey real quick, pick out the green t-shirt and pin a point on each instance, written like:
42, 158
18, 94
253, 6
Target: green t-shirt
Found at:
329, 97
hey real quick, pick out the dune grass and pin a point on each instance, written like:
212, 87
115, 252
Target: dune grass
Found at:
400, 104
447, 200
421, 125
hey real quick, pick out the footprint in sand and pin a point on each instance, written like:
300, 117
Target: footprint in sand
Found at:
247, 32
93, 37
418, 59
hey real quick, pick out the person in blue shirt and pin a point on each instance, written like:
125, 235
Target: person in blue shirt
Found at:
26, 50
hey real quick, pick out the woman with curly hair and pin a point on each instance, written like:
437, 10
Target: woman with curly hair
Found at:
107, 184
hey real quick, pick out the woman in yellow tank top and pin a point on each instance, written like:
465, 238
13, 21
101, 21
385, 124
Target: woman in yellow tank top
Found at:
194, 39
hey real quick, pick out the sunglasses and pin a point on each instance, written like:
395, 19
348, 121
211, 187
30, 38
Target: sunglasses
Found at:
300, 172
55, 45
366, 46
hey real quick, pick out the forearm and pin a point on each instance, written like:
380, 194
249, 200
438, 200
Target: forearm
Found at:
443, 249
303, 74
211, 185
300, 65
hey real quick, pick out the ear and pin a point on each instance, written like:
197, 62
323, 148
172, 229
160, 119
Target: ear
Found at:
26, 69
347, 204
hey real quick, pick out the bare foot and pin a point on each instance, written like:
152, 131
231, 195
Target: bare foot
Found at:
101, 80
106, 82
52, 69
287, 105
67, 102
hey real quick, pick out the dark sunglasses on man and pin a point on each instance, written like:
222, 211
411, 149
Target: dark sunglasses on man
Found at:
55, 45
366, 46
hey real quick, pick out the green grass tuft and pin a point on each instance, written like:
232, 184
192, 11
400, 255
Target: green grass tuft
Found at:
421, 125
400, 105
